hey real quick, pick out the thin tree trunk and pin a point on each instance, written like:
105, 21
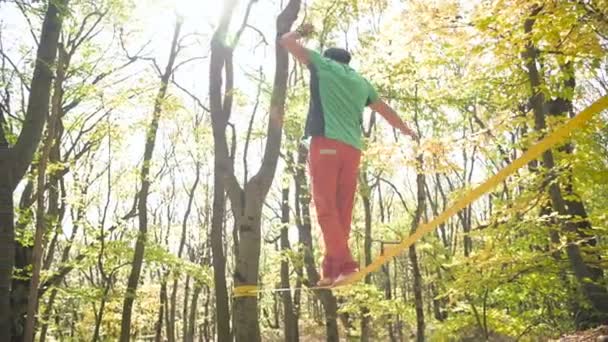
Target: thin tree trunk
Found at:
185, 309
182, 244
125, 331
290, 325
99, 317
161, 312
220, 106
420, 326
367, 249
302, 198
64, 258
172, 302
189, 334
420, 210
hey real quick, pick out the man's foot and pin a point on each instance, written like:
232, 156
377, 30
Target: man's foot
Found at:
343, 278
325, 282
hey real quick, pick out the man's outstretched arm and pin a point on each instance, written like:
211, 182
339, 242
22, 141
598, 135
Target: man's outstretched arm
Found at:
393, 118
291, 42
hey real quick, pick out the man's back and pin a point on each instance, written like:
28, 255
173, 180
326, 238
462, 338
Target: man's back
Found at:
338, 96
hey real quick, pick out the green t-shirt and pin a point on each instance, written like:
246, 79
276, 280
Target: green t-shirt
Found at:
338, 95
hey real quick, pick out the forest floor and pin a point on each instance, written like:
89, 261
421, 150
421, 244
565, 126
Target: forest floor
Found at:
599, 334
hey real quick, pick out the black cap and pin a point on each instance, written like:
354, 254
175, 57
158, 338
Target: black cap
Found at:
337, 54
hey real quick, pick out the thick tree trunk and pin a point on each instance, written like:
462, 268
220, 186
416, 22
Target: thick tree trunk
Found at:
7, 238
246, 270
15, 161
587, 275
138, 257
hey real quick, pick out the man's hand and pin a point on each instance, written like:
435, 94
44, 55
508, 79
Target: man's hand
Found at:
290, 42
408, 131
393, 119
305, 30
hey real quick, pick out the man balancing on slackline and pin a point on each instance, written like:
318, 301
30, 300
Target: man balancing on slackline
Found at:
338, 96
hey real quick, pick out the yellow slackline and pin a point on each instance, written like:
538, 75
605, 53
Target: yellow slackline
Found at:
463, 201
245, 291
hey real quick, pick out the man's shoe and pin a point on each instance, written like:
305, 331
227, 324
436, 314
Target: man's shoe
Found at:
325, 282
343, 277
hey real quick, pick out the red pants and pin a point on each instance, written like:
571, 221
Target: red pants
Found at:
334, 168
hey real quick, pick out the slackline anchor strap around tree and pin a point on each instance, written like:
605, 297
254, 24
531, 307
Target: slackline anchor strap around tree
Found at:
254, 290
463, 201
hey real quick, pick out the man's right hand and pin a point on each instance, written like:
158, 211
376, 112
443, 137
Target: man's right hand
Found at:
305, 30
410, 132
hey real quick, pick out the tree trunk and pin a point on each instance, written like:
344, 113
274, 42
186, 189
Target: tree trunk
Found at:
102, 306
418, 299
290, 325
64, 258
32, 301
249, 217
158, 327
125, 331
171, 304
305, 237
413, 255
367, 248
189, 335
15, 161
186, 309
573, 226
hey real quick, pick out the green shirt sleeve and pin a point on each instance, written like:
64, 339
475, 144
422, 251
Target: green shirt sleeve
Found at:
372, 94
315, 59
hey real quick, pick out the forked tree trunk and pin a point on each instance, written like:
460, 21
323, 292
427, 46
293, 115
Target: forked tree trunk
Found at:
220, 106
140, 244
247, 203
248, 218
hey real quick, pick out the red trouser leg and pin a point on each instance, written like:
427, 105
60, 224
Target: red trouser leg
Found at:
333, 167
347, 186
